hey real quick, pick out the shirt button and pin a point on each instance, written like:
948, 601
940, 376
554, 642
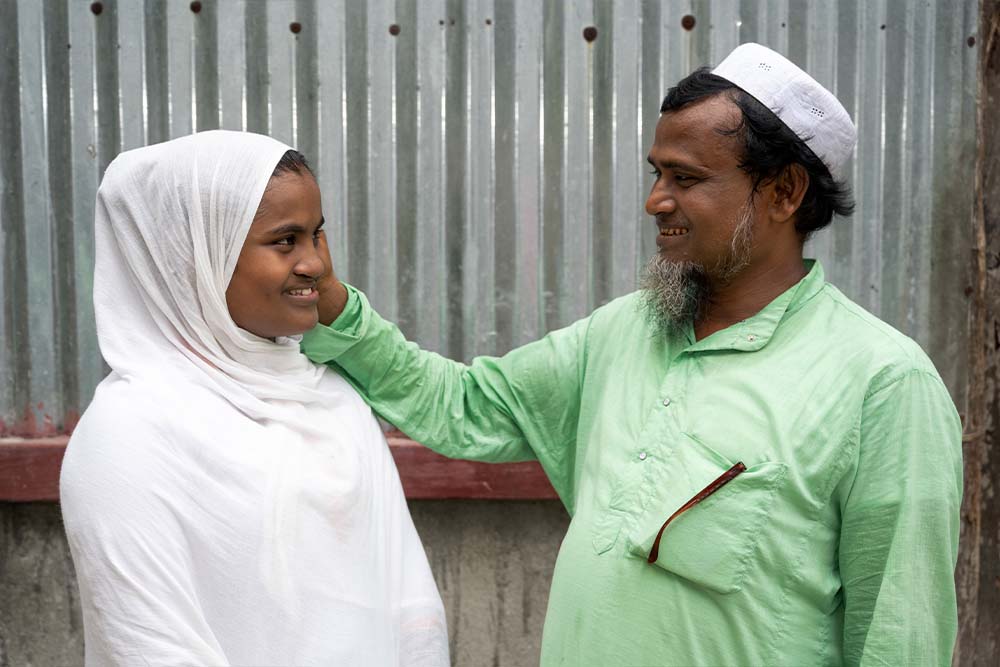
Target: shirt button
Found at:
666, 402
751, 338
642, 456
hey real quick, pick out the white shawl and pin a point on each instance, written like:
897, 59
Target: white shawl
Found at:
226, 500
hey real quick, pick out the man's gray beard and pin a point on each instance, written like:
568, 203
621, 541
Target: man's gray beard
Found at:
675, 294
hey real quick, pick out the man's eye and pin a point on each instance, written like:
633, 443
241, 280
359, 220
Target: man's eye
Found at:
287, 240
685, 180
655, 172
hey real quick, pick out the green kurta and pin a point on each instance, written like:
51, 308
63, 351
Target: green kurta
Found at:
837, 545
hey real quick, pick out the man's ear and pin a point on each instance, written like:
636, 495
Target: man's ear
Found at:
789, 188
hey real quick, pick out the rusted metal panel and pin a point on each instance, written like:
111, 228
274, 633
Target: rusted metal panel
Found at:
481, 161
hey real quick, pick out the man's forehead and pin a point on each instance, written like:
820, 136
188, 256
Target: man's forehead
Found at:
701, 132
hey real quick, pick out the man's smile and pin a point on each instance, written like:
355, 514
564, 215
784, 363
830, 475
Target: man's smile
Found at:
670, 236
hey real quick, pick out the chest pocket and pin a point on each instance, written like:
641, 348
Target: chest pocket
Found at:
713, 542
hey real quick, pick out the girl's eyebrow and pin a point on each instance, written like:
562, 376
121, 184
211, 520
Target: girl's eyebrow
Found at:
294, 228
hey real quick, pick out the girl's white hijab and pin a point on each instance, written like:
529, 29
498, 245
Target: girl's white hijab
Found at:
171, 220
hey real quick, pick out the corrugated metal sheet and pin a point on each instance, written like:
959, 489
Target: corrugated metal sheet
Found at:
481, 163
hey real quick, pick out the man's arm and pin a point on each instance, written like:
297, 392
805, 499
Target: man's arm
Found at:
899, 536
524, 405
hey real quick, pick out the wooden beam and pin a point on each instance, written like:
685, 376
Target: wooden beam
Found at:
29, 472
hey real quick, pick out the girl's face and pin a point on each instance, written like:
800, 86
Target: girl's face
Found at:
273, 289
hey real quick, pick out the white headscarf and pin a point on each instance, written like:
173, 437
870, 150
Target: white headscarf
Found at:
226, 500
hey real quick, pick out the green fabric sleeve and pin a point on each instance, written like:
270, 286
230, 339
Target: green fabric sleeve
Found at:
522, 406
899, 535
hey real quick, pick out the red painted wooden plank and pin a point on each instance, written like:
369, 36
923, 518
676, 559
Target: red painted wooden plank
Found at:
29, 471
428, 475
29, 468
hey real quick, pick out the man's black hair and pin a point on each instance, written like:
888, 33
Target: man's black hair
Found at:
769, 147
292, 162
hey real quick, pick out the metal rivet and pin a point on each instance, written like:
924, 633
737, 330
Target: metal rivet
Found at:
590, 33
688, 22
394, 29
971, 41
195, 6
295, 27
96, 8
489, 21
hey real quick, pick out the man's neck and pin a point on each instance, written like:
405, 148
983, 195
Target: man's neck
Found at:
746, 295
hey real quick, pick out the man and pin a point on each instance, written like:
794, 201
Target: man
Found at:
758, 470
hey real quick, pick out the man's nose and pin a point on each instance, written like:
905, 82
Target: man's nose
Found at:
660, 200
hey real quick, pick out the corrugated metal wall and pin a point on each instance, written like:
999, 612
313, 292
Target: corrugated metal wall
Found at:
481, 161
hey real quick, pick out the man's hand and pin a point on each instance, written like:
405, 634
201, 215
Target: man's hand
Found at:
332, 293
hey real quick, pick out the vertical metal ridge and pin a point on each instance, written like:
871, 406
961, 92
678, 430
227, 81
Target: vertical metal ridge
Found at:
60, 178
256, 103
356, 90
131, 66
380, 124
230, 35
177, 31
652, 91
505, 255
281, 69
206, 67
106, 59
405, 159
602, 174
331, 150
553, 78
528, 298
157, 72
37, 223
479, 225
627, 221
83, 143
306, 79
577, 217
15, 389
455, 176
431, 297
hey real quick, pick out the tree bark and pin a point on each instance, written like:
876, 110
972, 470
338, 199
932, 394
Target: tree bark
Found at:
977, 577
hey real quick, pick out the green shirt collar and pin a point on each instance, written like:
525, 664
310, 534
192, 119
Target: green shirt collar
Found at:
755, 332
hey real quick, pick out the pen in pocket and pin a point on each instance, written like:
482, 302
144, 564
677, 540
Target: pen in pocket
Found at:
721, 481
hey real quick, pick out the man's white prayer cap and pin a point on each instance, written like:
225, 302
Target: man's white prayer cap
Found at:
807, 108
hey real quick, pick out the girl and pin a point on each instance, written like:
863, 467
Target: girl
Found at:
226, 500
